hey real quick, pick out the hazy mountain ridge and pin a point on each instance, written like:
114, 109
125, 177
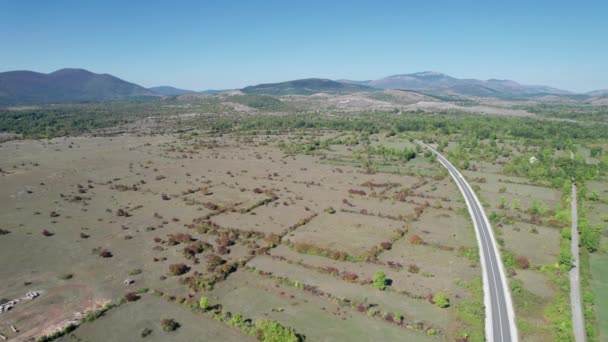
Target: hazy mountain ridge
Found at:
65, 85
306, 86
171, 91
437, 83
78, 85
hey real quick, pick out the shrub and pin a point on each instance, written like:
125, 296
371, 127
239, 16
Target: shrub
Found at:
169, 324
222, 250
183, 237
349, 276
386, 245
413, 268
273, 331
203, 303
214, 260
47, 233
211, 206
145, 332
522, 262
441, 300
135, 271
84, 236
178, 269
590, 236
380, 280
131, 297
104, 253
4, 231
236, 320
416, 240
357, 192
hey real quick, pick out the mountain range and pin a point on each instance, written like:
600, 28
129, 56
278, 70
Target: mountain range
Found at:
79, 85
307, 86
65, 85
435, 82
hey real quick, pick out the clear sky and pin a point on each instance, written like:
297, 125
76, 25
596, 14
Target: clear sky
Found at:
230, 44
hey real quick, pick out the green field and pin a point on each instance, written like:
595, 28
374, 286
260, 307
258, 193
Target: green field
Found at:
599, 269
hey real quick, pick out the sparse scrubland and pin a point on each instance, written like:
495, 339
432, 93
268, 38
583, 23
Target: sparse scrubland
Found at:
288, 223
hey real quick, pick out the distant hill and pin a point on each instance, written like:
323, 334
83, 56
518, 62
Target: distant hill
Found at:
599, 92
307, 86
438, 83
171, 91
65, 85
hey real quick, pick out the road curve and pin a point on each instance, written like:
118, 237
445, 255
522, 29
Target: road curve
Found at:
500, 316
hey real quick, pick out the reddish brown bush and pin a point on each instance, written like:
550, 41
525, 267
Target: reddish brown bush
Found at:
258, 191
222, 250
131, 297
389, 318
349, 276
345, 201
393, 264
183, 237
331, 270
165, 197
211, 206
47, 233
416, 240
178, 269
357, 192
157, 239
522, 262
214, 260
430, 297
361, 308
413, 268
386, 245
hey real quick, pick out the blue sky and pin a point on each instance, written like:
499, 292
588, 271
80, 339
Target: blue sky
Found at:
229, 44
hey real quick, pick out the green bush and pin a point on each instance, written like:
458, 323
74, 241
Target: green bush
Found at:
203, 303
169, 324
273, 331
441, 300
380, 280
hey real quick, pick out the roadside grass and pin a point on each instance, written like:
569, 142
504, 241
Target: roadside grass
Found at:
471, 312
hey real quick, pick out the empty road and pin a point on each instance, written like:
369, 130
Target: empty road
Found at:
500, 317
578, 321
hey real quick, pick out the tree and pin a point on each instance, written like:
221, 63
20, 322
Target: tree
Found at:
441, 300
380, 280
203, 303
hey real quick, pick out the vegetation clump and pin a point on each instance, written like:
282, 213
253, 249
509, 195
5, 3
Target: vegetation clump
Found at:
169, 324
379, 280
178, 269
441, 300
273, 331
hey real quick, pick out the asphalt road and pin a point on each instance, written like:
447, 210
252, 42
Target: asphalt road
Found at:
500, 317
578, 322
